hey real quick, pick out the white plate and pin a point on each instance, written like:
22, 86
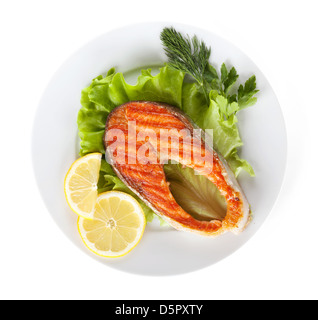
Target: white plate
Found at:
161, 251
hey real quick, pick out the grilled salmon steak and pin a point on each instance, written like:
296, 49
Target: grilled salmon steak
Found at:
159, 133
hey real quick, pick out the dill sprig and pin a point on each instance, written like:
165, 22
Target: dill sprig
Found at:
191, 56
186, 54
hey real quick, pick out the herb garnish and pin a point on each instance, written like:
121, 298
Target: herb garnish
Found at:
191, 56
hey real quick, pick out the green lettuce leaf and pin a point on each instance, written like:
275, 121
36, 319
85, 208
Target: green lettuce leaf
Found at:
196, 194
104, 94
220, 116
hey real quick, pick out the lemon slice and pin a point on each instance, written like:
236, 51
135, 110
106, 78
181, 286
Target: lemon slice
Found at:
80, 184
117, 226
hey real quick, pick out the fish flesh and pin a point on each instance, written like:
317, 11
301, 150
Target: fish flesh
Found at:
157, 127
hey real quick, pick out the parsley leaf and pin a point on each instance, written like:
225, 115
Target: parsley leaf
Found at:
246, 93
228, 78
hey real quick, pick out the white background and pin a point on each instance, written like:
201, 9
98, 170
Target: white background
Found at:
37, 261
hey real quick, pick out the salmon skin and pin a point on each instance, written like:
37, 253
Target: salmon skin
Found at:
148, 180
